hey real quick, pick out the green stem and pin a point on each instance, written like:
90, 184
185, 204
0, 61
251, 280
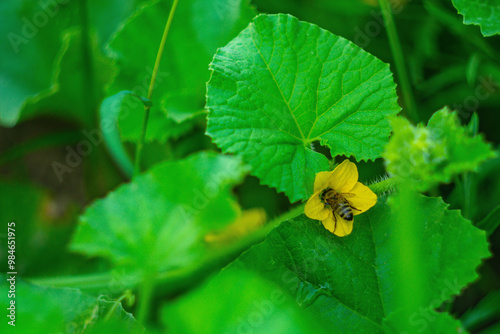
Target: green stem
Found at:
468, 177
383, 186
140, 144
467, 184
407, 243
146, 294
398, 57
89, 99
115, 305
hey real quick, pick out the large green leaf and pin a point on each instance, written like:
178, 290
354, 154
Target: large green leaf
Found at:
424, 321
199, 27
28, 51
69, 95
110, 111
485, 13
238, 301
42, 72
42, 310
157, 222
283, 84
45, 310
349, 283
434, 153
106, 16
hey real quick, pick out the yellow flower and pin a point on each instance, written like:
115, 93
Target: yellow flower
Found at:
337, 197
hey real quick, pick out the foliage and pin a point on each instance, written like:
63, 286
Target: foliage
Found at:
348, 283
234, 109
482, 13
155, 223
434, 153
66, 310
289, 82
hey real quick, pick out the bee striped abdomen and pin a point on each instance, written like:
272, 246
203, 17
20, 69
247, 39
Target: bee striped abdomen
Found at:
343, 210
338, 203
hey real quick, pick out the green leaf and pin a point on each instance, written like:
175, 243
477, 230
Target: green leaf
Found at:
485, 13
28, 52
238, 301
199, 27
160, 128
110, 111
349, 282
42, 73
114, 326
68, 96
491, 222
61, 310
157, 222
104, 315
421, 322
283, 84
435, 153
106, 16
41, 309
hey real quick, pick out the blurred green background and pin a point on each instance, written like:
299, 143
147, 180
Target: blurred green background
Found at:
51, 89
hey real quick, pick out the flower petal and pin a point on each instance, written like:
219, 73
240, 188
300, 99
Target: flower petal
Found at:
361, 198
344, 177
315, 209
344, 227
338, 226
322, 181
329, 223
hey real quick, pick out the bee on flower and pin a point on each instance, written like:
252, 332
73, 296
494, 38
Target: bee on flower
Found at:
338, 197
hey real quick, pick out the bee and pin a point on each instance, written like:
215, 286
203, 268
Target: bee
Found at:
338, 204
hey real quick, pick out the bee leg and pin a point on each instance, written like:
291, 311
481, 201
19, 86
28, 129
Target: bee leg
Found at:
349, 202
335, 218
354, 208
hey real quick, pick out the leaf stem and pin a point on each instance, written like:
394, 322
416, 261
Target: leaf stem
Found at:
385, 185
115, 305
398, 57
146, 293
140, 144
467, 186
89, 98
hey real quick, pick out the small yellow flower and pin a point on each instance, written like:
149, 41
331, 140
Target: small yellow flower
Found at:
337, 196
